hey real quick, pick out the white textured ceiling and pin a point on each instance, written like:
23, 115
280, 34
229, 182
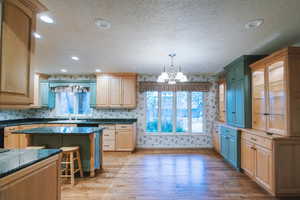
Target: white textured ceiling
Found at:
205, 34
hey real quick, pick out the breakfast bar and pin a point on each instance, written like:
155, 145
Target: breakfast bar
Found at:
89, 139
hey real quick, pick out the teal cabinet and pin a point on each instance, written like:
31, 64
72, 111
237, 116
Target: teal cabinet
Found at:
230, 146
238, 94
93, 90
47, 97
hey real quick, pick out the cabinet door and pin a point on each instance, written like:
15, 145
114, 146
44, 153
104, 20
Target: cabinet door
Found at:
247, 157
224, 146
263, 166
232, 150
11, 141
129, 92
16, 75
115, 92
102, 92
239, 103
276, 120
44, 94
216, 140
222, 110
258, 99
124, 140
230, 102
93, 89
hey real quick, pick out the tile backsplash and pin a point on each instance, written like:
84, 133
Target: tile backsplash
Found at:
143, 140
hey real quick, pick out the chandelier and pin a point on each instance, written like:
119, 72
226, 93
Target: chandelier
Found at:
172, 74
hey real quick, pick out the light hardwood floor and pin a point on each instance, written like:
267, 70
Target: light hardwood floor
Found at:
165, 175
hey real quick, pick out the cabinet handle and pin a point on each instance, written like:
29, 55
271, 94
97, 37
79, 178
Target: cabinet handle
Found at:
253, 148
266, 114
233, 112
253, 139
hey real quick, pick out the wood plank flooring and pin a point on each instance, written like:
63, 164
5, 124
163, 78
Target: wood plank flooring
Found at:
165, 175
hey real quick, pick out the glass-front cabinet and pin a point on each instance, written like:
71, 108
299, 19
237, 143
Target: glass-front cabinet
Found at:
276, 115
269, 97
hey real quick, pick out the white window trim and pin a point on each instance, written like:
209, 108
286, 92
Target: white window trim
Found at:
174, 133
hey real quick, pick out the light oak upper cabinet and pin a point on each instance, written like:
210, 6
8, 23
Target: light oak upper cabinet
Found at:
17, 49
116, 90
222, 100
276, 93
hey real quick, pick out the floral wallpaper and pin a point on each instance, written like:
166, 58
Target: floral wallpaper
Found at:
144, 140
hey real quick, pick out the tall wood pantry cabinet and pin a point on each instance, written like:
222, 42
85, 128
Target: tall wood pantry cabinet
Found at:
18, 24
116, 90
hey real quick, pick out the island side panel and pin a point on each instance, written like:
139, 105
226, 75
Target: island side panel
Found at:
92, 154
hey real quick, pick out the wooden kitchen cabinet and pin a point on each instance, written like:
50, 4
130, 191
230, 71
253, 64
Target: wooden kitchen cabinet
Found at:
248, 157
116, 90
271, 161
38, 181
109, 138
276, 93
16, 141
263, 166
119, 137
17, 49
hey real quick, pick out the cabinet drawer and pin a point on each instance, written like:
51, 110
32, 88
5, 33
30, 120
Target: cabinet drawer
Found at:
108, 127
109, 136
264, 142
123, 126
11, 128
108, 147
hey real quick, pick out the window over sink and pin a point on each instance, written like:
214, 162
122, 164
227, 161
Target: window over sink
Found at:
72, 102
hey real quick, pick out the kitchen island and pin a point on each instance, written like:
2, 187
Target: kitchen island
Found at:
89, 139
30, 174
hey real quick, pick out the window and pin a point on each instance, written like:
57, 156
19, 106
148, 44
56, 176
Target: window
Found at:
174, 112
67, 103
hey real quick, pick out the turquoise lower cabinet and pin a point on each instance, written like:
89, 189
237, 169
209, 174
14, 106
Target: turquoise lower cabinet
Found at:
230, 145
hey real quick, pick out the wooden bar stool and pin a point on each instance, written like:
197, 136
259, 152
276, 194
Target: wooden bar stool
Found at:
36, 147
69, 155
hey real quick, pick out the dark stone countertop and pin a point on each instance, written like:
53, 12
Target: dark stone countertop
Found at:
60, 131
18, 122
17, 159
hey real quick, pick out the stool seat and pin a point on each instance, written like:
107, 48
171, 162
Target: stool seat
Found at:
69, 149
36, 147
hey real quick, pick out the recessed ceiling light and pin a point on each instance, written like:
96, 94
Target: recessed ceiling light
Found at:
46, 19
98, 70
102, 24
254, 23
75, 58
63, 70
36, 35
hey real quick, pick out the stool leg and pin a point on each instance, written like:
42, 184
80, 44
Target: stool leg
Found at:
72, 168
79, 163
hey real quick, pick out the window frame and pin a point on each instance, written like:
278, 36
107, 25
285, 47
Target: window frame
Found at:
75, 105
174, 116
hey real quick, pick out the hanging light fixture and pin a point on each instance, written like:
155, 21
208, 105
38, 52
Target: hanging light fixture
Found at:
172, 74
